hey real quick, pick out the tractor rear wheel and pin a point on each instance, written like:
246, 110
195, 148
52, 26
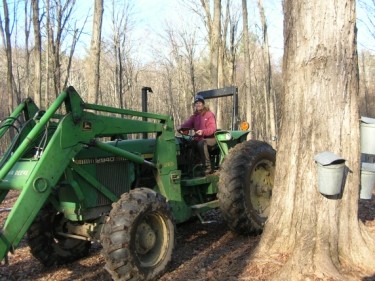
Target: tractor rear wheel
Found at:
138, 238
48, 246
245, 186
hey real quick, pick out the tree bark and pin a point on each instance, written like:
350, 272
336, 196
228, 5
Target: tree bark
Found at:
270, 104
48, 53
37, 54
27, 50
214, 35
319, 234
94, 78
365, 106
247, 84
215, 44
6, 34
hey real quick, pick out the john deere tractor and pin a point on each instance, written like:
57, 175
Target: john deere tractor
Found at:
88, 173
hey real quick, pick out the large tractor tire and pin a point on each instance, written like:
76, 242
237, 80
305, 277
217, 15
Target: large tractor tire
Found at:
245, 186
48, 246
138, 238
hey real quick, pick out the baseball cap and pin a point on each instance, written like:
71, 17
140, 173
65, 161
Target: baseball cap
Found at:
198, 98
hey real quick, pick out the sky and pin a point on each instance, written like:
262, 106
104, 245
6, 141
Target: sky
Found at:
150, 18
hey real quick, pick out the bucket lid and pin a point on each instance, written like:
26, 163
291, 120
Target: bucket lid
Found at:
369, 167
327, 158
367, 120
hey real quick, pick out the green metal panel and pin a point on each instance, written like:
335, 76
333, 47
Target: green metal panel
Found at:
142, 147
19, 174
36, 189
31, 136
27, 107
228, 139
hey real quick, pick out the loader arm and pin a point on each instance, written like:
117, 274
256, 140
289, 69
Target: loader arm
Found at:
28, 108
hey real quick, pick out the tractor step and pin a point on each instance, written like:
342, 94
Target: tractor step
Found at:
200, 180
201, 208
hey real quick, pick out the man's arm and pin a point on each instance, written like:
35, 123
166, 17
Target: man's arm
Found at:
188, 124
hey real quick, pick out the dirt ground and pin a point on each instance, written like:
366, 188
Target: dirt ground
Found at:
207, 252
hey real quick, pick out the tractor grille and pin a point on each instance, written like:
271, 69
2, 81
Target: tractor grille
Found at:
115, 176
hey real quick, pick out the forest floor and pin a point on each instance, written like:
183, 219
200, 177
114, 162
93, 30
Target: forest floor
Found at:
209, 252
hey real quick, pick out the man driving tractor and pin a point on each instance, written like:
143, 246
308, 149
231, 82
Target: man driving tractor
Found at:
203, 123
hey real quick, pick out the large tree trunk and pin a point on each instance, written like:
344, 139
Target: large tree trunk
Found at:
318, 234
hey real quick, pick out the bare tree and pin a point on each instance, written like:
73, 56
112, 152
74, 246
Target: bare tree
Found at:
27, 24
214, 33
5, 32
318, 234
48, 52
37, 53
120, 47
179, 65
189, 43
269, 98
247, 66
366, 100
233, 45
59, 26
213, 24
95, 50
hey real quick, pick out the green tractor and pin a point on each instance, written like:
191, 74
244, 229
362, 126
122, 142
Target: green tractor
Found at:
88, 173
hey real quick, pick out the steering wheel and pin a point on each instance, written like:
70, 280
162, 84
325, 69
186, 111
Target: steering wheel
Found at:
185, 132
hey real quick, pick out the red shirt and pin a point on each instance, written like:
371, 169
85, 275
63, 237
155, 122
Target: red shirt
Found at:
204, 121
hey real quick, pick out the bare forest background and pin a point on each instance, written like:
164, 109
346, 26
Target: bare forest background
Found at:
217, 43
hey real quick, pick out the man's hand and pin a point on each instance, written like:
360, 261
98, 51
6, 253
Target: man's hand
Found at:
199, 133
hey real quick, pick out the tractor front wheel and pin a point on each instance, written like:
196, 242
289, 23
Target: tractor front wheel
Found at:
48, 245
138, 238
245, 186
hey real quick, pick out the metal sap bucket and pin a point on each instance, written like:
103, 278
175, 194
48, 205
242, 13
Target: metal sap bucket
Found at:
330, 172
367, 135
367, 180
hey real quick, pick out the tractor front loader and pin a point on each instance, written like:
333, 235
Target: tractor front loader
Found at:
84, 175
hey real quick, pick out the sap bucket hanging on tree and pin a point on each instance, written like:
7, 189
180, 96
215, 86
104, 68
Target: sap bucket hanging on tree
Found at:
367, 135
330, 172
367, 180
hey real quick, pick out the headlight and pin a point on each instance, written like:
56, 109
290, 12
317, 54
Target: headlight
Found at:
244, 126
228, 136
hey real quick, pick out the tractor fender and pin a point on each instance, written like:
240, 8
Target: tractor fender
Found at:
228, 139
224, 135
